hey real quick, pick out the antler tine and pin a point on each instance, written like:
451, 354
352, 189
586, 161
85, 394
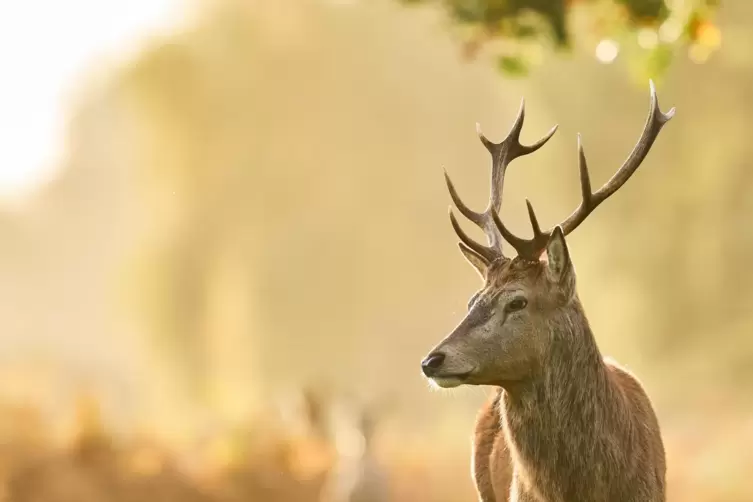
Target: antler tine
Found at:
532, 248
532, 217
505, 152
487, 253
502, 154
491, 252
654, 123
477, 218
526, 248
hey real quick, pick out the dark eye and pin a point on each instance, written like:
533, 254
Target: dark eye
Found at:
517, 304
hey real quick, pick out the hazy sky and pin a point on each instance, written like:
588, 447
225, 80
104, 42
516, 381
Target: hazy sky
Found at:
44, 46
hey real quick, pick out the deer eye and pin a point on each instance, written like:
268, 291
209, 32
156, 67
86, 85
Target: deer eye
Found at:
517, 304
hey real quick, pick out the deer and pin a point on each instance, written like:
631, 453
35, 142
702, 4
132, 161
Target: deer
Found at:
564, 423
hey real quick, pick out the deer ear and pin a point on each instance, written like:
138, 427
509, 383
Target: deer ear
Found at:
559, 267
476, 260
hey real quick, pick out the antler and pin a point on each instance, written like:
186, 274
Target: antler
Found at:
532, 248
502, 154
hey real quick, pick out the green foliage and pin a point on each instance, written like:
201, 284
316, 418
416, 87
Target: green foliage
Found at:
649, 32
513, 66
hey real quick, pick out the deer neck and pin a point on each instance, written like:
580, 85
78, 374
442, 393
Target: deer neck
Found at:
573, 368
551, 422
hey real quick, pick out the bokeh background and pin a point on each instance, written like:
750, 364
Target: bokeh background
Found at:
224, 244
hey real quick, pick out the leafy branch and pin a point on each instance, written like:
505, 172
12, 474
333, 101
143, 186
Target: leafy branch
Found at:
647, 34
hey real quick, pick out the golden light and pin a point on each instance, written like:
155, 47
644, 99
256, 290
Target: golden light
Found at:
45, 47
670, 30
698, 53
648, 38
607, 51
709, 35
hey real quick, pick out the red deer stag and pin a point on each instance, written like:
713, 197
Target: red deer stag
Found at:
565, 425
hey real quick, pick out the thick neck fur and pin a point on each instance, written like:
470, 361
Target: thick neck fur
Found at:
567, 428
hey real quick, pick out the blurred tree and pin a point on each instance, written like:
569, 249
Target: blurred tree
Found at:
649, 31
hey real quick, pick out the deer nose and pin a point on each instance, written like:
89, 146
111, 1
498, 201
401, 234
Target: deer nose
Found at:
432, 363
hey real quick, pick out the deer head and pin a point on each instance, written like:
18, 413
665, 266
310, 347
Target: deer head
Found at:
506, 335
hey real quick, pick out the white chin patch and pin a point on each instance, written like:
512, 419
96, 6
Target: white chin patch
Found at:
446, 383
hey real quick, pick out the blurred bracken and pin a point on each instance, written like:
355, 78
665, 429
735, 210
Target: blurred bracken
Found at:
269, 460
650, 32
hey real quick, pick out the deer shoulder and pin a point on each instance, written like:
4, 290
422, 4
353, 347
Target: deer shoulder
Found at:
638, 400
492, 469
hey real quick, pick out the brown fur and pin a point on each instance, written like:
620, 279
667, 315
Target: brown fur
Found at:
565, 425
492, 467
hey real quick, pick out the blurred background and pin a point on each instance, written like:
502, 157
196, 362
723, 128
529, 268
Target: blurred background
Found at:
224, 243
